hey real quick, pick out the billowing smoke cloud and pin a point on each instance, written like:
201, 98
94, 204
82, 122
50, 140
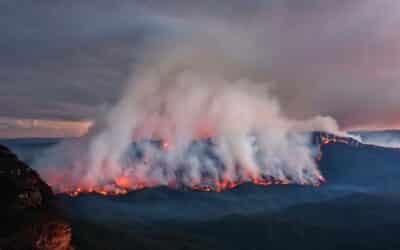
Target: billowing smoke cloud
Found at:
190, 87
336, 58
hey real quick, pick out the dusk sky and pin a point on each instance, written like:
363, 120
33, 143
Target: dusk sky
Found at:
62, 63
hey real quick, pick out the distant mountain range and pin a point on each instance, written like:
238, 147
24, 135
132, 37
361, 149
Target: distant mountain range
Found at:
357, 208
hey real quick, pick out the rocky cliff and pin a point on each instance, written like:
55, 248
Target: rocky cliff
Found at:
29, 215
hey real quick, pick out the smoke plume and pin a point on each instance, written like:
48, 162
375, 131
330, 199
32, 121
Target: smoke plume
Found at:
184, 90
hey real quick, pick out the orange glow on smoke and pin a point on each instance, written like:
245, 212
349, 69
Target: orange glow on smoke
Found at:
123, 186
125, 183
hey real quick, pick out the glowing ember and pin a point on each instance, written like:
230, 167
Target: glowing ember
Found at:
166, 145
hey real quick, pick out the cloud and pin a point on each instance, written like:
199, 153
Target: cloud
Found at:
336, 58
16, 128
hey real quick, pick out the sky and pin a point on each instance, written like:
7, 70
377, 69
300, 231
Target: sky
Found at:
63, 63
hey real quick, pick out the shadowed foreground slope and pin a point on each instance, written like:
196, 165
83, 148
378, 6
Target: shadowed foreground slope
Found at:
29, 217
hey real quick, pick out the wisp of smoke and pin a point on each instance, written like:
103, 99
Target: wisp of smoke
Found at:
381, 139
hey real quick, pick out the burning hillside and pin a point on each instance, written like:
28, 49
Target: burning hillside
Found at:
115, 188
195, 125
130, 180
221, 134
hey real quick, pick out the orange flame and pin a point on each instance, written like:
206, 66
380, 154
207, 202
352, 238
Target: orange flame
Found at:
124, 184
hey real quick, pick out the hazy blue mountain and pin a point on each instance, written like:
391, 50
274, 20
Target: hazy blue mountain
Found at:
357, 208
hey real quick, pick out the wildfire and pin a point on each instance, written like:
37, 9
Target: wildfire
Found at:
227, 184
124, 184
97, 190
